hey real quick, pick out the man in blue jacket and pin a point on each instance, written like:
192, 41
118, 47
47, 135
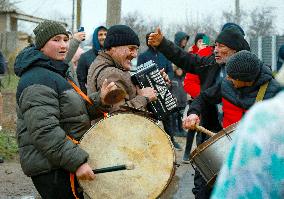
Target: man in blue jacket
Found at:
88, 57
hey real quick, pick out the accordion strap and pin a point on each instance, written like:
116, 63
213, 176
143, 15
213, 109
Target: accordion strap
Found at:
261, 92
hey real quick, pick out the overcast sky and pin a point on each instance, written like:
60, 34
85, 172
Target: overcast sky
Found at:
166, 11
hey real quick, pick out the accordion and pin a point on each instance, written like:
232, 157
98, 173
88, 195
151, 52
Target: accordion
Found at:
148, 75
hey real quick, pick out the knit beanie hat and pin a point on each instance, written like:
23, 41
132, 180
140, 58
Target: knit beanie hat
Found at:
46, 30
120, 35
243, 66
233, 26
233, 39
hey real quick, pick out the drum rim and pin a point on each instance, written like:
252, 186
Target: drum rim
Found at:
213, 139
212, 180
172, 173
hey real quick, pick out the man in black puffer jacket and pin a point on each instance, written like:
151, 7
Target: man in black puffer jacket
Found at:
210, 70
49, 111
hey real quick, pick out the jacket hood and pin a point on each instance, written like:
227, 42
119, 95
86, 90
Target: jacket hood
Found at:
96, 43
30, 57
264, 76
180, 36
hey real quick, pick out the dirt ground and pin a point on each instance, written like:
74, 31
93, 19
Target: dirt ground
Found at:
15, 185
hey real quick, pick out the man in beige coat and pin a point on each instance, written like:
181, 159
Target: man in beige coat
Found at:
121, 46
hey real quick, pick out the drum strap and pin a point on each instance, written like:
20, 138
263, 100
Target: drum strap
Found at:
83, 95
72, 176
261, 92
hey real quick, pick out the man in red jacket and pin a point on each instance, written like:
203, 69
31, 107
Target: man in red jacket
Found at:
192, 86
201, 47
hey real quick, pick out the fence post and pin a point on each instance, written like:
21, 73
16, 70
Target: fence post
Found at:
259, 47
273, 53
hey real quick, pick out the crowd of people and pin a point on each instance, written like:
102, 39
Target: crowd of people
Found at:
219, 84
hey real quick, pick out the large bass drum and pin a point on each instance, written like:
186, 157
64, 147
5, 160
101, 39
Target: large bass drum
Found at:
124, 138
209, 156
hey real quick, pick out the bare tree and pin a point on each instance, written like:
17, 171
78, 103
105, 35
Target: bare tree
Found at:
241, 19
141, 26
192, 28
7, 5
262, 22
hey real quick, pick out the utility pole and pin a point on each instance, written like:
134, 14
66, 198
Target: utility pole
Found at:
113, 12
73, 16
237, 11
78, 17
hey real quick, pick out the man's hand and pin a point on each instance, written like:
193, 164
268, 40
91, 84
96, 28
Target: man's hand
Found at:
80, 36
148, 92
155, 38
106, 89
84, 172
165, 76
190, 122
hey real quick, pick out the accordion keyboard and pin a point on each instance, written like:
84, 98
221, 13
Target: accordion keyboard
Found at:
148, 75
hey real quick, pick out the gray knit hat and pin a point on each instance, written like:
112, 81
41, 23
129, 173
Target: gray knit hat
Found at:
46, 30
244, 66
120, 35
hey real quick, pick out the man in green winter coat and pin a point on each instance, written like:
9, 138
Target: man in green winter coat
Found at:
50, 112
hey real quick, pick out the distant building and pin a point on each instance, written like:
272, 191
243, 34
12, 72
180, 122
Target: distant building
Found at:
10, 38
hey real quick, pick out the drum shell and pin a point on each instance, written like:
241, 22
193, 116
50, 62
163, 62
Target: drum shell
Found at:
209, 156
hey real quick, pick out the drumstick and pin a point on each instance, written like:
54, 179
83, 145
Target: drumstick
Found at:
129, 166
204, 130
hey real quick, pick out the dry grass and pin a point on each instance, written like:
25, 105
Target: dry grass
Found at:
8, 145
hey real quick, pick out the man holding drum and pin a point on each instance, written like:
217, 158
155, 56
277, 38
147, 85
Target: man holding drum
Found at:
52, 116
254, 164
210, 70
248, 81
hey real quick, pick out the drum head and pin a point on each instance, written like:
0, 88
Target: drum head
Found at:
125, 138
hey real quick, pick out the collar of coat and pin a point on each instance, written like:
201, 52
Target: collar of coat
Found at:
111, 61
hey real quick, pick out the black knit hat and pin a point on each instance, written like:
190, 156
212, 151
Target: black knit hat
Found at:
233, 39
233, 25
244, 66
46, 30
120, 35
